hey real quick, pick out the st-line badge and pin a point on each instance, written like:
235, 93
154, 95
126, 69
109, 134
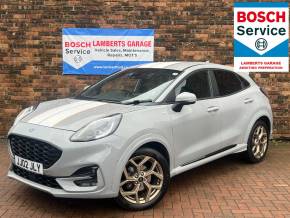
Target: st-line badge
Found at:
261, 36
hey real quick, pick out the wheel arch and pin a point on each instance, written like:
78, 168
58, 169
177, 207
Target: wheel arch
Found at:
261, 116
158, 143
158, 147
267, 121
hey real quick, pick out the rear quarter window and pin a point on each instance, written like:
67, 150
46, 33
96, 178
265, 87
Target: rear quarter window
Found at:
227, 82
244, 82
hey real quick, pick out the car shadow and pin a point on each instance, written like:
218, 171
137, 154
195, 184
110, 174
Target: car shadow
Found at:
70, 206
220, 166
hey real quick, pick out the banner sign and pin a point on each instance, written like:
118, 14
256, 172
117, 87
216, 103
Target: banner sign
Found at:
261, 36
105, 51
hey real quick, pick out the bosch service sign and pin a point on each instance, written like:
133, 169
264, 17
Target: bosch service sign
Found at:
105, 51
261, 36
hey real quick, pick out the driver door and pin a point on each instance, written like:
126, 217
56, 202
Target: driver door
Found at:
196, 128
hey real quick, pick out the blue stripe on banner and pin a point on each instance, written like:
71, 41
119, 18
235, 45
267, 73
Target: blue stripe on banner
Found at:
240, 50
261, 4
100, 67
107, 32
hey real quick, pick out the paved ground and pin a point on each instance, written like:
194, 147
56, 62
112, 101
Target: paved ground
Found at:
225, 188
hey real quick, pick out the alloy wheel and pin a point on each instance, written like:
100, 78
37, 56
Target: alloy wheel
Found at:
259, 142
142, 179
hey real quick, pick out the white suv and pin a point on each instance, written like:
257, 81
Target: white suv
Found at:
125, 136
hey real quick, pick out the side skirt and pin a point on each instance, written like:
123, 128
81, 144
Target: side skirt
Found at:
208, 158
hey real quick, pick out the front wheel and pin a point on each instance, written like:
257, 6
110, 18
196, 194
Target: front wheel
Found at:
258, 142
144, 181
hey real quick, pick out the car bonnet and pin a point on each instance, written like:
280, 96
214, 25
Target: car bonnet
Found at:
73, 114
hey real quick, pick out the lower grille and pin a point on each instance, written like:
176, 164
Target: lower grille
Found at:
40, 179
34, 150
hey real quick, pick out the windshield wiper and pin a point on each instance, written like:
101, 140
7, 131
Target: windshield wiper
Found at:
137, 101
97, 99
108, 101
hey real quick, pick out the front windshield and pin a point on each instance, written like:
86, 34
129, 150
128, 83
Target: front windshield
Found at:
131, 85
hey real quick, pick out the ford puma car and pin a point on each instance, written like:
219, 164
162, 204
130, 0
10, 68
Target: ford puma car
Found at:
127, 135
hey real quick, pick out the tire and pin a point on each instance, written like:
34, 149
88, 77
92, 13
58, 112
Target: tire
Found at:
146, 167
258, 142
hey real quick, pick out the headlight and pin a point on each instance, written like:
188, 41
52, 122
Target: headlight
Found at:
24, 113
97, 129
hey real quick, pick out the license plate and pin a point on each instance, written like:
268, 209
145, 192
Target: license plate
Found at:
29, 165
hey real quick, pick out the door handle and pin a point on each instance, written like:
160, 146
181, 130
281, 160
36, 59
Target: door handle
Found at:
248, 100
212, 109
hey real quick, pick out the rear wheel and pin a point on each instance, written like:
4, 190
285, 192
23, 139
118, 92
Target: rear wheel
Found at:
258, 142
144, 180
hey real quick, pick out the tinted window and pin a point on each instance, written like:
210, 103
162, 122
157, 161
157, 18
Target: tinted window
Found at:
136, 84
244, 82
197, 83
227, 82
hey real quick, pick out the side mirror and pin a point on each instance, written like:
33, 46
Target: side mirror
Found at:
184, 98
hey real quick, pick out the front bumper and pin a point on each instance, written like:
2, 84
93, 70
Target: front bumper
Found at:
62, 193
103, 153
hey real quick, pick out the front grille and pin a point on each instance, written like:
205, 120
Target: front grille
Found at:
40, 179
34, 150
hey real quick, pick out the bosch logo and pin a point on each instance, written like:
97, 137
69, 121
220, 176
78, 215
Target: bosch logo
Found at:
261, 16
78, 59
261, 44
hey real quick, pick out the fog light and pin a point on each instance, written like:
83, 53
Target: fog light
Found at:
86, 176
86, 182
